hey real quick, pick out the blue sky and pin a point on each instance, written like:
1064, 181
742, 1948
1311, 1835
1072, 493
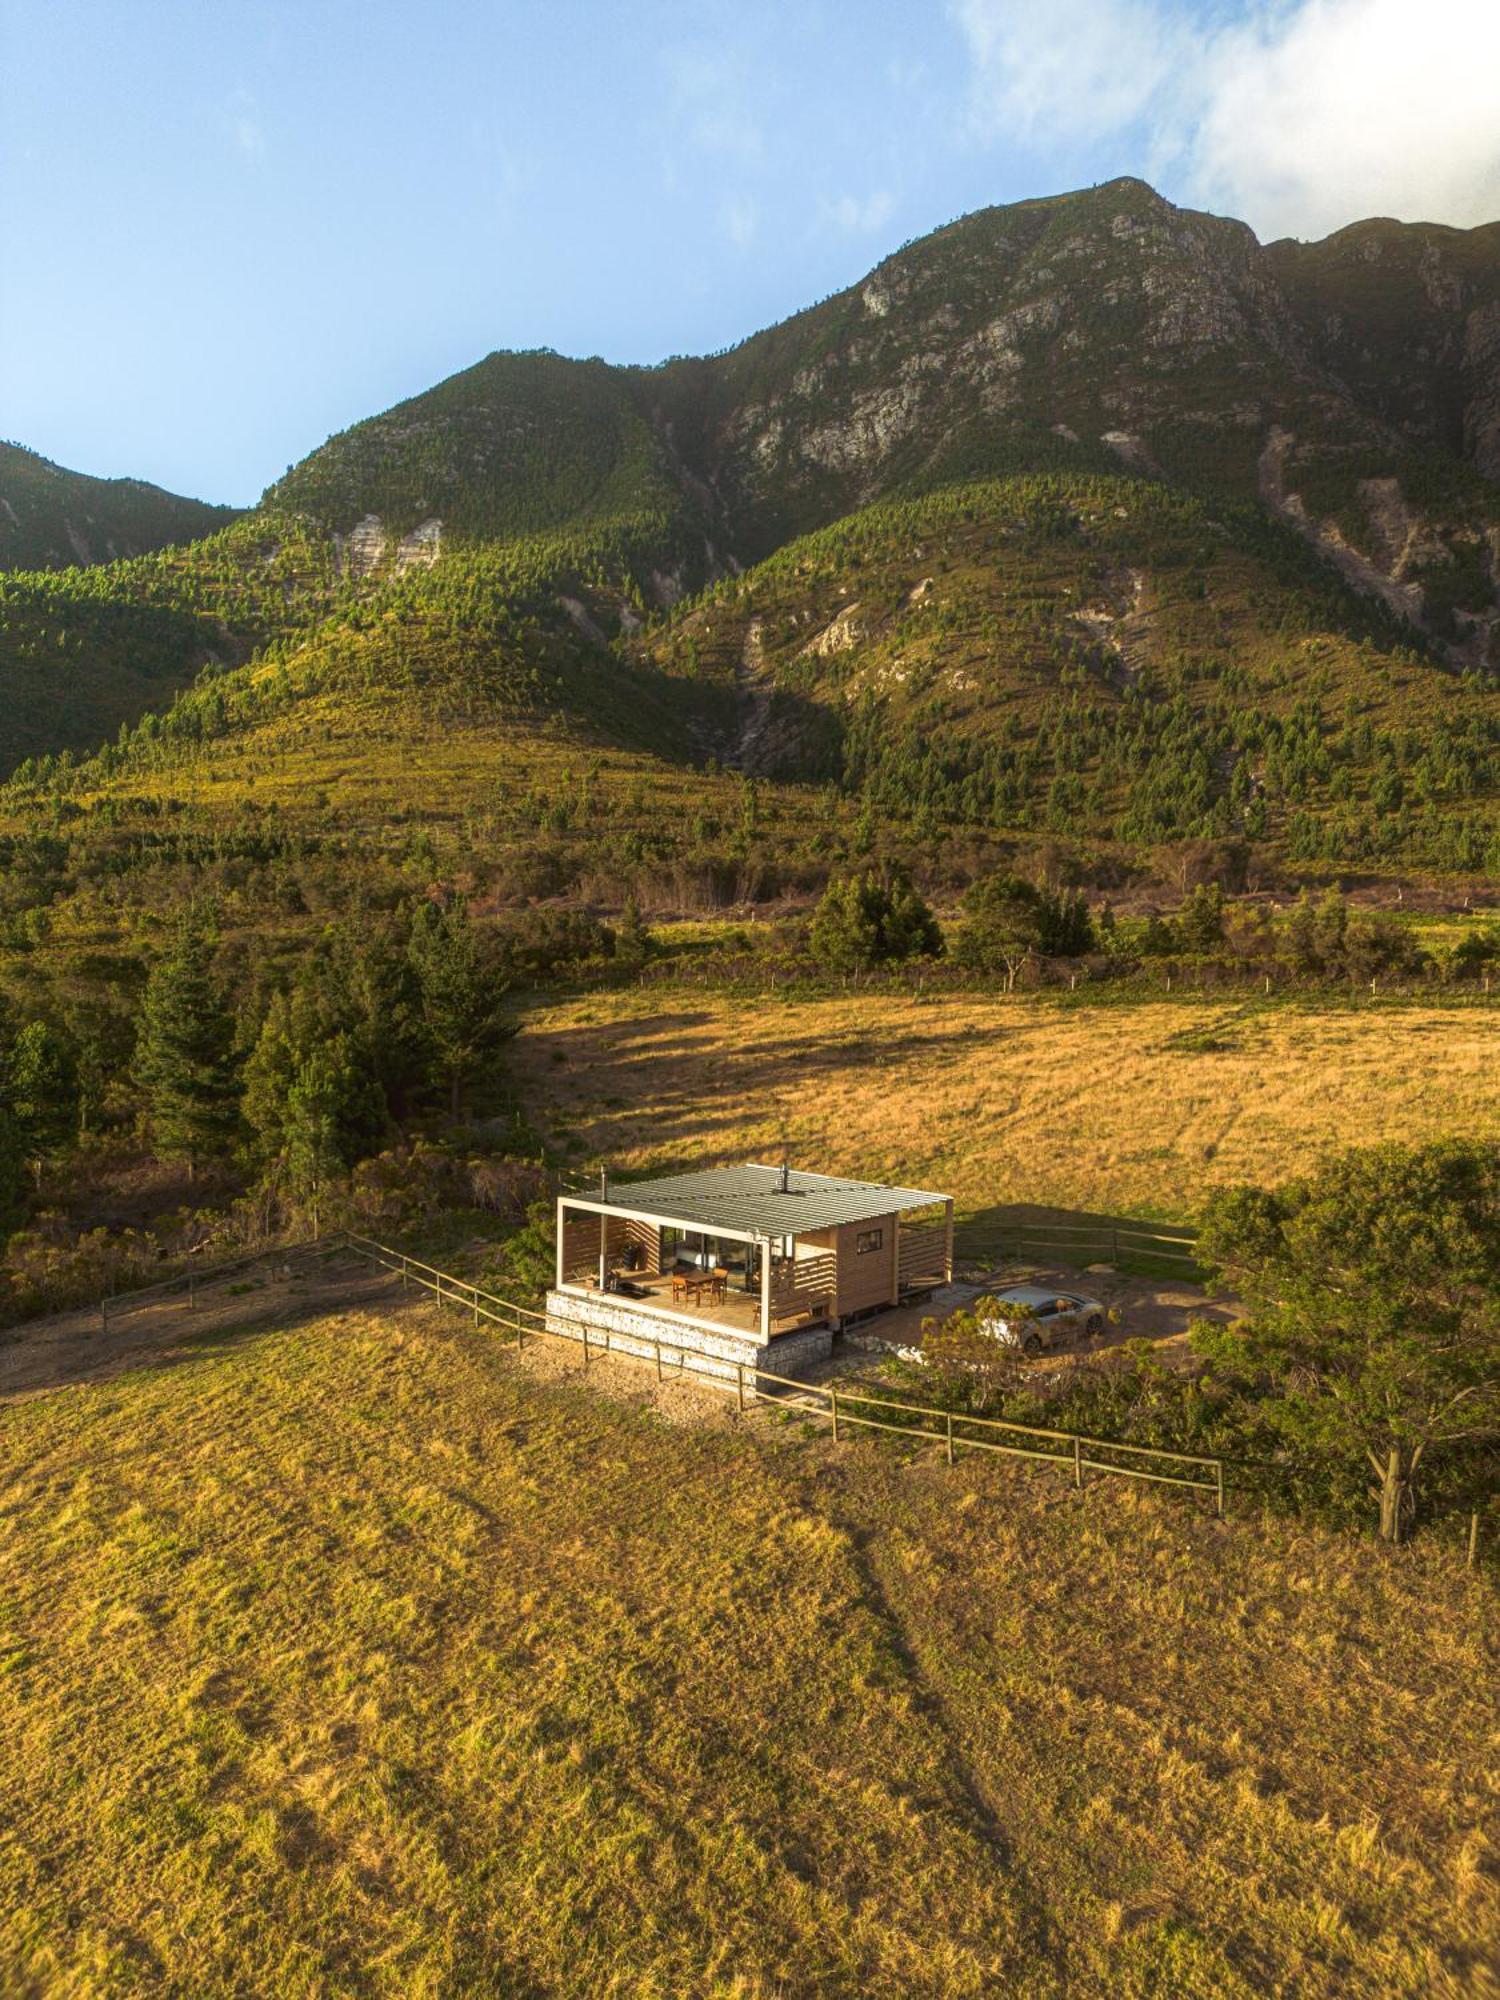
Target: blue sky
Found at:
230, 227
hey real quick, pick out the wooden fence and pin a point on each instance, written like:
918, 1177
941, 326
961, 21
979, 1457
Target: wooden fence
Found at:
1116, 1240
115, 1305
844, 1408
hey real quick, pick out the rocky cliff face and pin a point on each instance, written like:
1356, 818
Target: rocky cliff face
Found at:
1352, 385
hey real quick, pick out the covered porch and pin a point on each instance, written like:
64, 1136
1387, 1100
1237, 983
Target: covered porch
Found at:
753, 1252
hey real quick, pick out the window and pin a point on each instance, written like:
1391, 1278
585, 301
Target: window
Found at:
867, 1240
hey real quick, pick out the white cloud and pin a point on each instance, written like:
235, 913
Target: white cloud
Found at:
1301, 117
1081, 67
859, 216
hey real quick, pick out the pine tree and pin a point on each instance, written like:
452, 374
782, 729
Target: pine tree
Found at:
302, 1070
41, 1088
315, 1106
184, 1059
461, 994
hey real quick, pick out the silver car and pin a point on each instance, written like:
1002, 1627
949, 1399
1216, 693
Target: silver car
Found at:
1054, 1317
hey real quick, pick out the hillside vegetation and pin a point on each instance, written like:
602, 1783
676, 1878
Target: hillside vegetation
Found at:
1100, 657
51, 518
357, 1656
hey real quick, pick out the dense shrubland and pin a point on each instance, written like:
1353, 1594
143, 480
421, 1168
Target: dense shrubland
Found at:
1370, 1345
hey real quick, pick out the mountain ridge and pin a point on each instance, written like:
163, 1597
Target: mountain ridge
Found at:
54, 518
510, 538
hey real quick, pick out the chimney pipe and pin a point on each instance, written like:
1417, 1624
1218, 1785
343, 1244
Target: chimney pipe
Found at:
785, 1177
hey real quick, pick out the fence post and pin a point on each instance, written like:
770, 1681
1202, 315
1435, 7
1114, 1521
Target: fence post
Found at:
192, 1292
405, 1280
475, 1290
104, 1315
585, 1347
657, 1345
833, 1404
949, 1429
1473, 1538
739, 1384
1219, 1487
1114, 1244
1078, 1462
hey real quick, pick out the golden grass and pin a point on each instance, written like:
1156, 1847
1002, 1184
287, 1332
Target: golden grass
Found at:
1107, 1109
356, 1658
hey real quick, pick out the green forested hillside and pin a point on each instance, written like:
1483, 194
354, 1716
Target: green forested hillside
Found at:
1099, 657
51, 518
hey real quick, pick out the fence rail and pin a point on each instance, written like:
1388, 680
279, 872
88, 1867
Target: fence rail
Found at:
115, 1305
842, 1407
1129, 1239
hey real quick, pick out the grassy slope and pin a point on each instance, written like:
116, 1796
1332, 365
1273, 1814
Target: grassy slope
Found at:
40, 503
1111, 1110
354, 1658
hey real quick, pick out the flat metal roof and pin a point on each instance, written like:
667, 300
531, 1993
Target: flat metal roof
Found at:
749, 1200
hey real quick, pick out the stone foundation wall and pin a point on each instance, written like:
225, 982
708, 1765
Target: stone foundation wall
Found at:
616, 1326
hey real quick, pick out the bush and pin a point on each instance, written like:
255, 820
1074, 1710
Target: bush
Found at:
864, 921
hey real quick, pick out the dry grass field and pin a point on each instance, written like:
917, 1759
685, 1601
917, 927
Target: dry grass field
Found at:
358, 1655
1129, 1110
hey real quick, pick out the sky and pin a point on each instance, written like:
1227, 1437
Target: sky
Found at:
229, 228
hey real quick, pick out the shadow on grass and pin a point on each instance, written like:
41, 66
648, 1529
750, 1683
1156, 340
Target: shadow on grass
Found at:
1020, 1232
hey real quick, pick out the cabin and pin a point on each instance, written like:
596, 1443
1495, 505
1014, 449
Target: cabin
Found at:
749, 1267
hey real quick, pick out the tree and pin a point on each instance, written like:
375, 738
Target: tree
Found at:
461, 994
184, 1058
314, 1128
1064, 927
309, 1094
975, 1361
39, 1080
1200, 921
1374, 1296
12, 1171
633, 941
864, 921
1003, 925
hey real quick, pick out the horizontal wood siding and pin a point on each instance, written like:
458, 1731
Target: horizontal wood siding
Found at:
924, 1254
580, 1246
809, 1285
646, 1236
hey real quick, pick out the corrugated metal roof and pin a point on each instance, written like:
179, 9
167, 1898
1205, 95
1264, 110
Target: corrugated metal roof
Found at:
750, 1200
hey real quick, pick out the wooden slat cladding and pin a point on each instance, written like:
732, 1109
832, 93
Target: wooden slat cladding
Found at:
809, 1285
924, 1254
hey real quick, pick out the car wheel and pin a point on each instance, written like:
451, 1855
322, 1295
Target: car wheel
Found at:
1032, 1344
1093, 1326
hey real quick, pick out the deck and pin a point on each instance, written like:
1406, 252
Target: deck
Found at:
738, 1311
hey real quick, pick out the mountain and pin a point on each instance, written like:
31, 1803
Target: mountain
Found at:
51, 518
1089, 514
1110, 326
